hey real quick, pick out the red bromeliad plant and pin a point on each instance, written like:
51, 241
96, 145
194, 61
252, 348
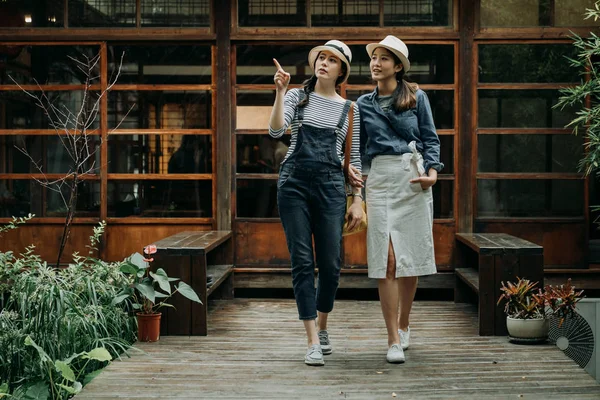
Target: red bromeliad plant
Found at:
521, 300
525, 301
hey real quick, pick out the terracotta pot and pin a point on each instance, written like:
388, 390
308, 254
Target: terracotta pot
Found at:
148, 327
527, 329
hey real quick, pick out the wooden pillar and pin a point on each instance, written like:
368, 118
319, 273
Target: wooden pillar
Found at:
223, 127
467, 153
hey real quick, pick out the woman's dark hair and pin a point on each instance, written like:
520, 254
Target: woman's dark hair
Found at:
310, 83
405, 95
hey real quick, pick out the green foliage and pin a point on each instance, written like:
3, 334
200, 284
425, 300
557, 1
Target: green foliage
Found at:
14, 224
143, 292
66, 318
587, 61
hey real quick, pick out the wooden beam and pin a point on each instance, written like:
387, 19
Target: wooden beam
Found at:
222, 76
467, 123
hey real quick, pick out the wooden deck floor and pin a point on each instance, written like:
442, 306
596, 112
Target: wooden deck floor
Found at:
255, 350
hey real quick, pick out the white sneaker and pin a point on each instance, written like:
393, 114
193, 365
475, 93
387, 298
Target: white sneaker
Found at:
325, 343
395, 355
404, 338
314, 356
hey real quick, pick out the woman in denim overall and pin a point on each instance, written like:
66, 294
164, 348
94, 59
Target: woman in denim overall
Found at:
311, 193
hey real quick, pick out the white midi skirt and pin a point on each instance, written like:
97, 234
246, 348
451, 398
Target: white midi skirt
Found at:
402, 212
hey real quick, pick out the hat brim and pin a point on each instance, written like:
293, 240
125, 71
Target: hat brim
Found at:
314, 52
405, 63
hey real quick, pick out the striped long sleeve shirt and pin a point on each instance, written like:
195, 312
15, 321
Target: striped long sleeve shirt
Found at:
320, 112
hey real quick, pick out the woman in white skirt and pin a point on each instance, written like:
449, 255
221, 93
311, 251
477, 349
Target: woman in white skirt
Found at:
399, 140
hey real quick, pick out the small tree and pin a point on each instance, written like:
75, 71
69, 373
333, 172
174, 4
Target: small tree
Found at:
588, 117
77, 132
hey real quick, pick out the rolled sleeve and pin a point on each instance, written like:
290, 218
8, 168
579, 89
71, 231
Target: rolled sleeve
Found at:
290, 102
429, 136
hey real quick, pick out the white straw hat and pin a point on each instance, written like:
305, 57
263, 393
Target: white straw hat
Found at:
396, 46
336, 47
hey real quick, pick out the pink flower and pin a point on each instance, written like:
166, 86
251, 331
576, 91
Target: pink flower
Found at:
150, 249
148, 259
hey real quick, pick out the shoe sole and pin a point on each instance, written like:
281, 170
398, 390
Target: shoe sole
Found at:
315, 363
396, 361
326, 351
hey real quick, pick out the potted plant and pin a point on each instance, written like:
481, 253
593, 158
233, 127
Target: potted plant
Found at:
529, 308
149, 292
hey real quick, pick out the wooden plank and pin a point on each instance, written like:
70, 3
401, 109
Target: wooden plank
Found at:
487, 292
219, 273
261, 278
223, 170
199, 312
470, 276
467, 155
255, 350
506, 268
190, 242
498, 243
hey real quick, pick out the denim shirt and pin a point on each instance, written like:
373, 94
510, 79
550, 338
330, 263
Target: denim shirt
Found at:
384, 133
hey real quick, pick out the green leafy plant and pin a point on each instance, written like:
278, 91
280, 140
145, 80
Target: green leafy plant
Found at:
64, 311
150, 290
586, 95
524, 300
61, 379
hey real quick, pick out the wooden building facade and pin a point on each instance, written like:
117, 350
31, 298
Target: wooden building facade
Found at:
182, 135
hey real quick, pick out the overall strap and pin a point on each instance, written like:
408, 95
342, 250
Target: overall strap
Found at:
347, 105
301, 109
348, 136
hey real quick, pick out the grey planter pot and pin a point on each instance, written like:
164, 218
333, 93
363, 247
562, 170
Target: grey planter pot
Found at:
527, 330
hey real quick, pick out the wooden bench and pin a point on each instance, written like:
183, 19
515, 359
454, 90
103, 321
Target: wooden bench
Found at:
192, 256
484, 260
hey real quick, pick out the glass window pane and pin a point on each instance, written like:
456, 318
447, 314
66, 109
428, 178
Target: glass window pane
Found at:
51, 153
417, 12
253, 109
260, 153
529, 153
255, 63
530, 198
47, 65
256, 198
19, 197
182, 13
101, 13
522, 109
429, 64
160, 199
160, 154
443, 199
571, 12
160, 109
22, 111
441, 101
533, 63
447, 153
161, 64
344, 13
32, 13
517, 13
272, 12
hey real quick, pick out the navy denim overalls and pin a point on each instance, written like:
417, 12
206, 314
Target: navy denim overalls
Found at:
311, 197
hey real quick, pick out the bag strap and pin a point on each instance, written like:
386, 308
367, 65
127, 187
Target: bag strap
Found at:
349, 134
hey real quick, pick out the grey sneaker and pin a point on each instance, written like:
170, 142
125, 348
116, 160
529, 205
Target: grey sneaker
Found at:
395, 354
325, 343
404, 338
314, 356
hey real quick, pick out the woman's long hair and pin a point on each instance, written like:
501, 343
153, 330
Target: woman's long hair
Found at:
310, 83
405, 95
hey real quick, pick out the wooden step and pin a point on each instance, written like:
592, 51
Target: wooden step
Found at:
470, 276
